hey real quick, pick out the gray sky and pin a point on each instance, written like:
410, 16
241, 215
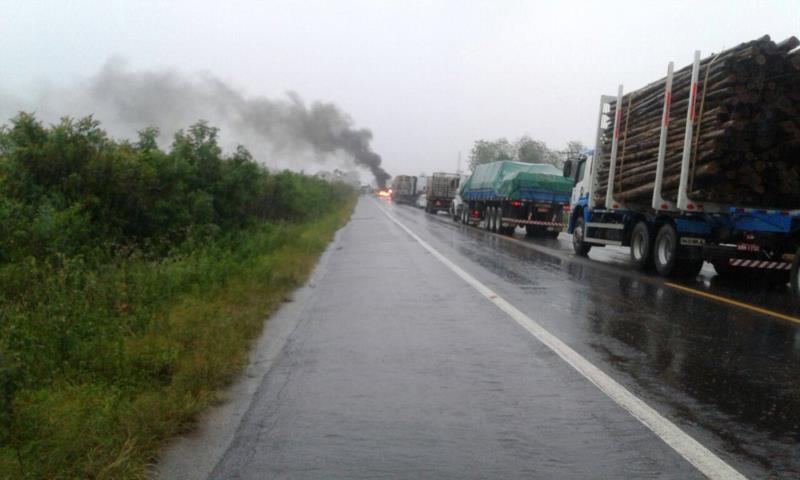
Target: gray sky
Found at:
428, 78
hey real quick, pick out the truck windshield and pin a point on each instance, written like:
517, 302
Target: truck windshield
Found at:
581, 169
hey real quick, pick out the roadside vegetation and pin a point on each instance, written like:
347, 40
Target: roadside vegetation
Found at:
131, 282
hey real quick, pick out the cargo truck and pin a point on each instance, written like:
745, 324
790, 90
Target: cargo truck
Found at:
676, 237
404, 189
441, 189
504, 195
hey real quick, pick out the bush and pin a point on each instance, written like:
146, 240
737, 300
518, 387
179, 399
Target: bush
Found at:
130, 282
70, 189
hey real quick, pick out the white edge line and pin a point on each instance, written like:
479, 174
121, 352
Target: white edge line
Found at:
693, 451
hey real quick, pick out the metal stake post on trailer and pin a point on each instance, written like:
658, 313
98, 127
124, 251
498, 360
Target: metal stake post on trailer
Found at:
659, 203
592, 173
604, 100
684, 202
611, 203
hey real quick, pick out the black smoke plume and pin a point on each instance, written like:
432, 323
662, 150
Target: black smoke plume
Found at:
168, 99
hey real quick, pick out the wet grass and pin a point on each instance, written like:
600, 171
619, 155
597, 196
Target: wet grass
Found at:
131, 353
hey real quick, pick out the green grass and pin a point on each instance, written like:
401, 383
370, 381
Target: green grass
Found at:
101, 365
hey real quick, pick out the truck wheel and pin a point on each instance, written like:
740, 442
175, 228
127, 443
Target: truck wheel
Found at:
552, 233
642, 247
580, 247
665, 254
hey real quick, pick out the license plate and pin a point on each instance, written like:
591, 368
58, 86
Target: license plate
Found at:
748, 247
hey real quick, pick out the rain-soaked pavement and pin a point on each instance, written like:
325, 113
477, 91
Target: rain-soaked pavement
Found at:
395, 367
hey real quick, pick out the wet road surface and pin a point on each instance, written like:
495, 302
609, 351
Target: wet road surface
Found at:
397, 368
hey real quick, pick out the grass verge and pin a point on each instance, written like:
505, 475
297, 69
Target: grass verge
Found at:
150, 344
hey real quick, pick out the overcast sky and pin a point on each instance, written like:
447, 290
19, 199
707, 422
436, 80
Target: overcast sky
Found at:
428, 78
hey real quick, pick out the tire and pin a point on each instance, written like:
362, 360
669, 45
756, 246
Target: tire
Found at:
508, 230
665, 255
580, 247
665, 251
642, 247
552, 234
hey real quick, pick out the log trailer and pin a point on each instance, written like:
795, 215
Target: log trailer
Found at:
504, 195
675, 238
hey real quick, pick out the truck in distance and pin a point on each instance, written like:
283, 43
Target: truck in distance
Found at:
440, 191
404, 189
504, 195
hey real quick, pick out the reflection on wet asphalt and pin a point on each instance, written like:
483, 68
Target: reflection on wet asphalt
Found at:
400, 370
726, 375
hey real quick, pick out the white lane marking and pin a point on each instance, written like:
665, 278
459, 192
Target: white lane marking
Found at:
693, 451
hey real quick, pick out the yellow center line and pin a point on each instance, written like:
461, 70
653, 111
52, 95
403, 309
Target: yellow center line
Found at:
729, 301
700, 293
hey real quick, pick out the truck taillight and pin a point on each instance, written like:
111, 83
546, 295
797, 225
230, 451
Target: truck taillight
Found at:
516, 203
567, 207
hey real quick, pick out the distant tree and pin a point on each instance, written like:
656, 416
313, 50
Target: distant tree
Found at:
529, 150
525, 149
536, 151
485, 151
148, 139
574, 148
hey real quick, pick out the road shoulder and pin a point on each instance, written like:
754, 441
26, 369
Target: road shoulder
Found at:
195, 454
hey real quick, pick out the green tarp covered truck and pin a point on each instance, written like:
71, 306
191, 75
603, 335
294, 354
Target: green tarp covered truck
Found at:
504, 195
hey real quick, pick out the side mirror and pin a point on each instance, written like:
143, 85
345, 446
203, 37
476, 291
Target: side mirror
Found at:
568, 168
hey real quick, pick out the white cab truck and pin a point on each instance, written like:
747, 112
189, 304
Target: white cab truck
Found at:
676, 238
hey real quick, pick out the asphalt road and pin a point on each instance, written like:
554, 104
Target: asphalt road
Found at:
404, 358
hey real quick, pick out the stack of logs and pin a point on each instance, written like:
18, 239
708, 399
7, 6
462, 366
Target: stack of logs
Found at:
746, 138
